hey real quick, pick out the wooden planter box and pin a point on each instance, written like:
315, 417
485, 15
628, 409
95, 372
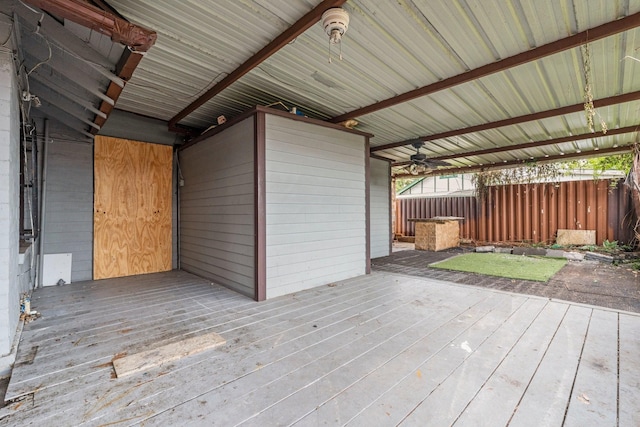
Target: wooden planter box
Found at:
438, 233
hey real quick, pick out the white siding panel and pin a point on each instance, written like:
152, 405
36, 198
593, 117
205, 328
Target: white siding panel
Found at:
315, 199
379, 188
69, 205
322, 182
217, 217
9, 207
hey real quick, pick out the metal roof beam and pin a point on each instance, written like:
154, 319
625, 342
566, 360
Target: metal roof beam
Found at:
274, 46
386, 159
62, 102
54, 30
62, 57
512, 163
63, 69
107, 8
534, 144
37, 81
618, 99
593, 34
64, 117
138, 38
125, 67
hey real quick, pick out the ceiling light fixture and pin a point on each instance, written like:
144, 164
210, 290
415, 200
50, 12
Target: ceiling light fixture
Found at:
335, 22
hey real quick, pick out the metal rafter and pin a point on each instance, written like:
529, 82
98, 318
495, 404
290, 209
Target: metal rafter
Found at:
124, 69
534, 144
512, 163
274, 46
618, 99
138, 38
70, 74
64, 103
593, 34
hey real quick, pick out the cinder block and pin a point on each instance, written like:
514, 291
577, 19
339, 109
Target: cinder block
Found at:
576, 237
593, 256
5, 170
555, 253
529, 251
4, 270
484, 249
573, 256
503, 250
5, 122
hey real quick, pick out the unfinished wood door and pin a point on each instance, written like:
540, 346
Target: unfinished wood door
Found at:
132, 207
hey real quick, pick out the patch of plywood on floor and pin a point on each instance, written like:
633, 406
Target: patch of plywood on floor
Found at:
160, 355
382, 349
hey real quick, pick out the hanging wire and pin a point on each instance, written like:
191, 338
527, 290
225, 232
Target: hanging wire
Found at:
4, 44
27, 129
48, 46
30, 8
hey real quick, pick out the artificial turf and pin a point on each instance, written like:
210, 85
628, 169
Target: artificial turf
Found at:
539, 269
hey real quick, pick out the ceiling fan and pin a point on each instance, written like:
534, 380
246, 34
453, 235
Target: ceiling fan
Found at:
420, 163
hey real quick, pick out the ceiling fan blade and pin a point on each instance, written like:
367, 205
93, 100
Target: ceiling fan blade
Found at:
435, 163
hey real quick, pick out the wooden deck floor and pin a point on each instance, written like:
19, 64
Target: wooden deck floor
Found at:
378, 350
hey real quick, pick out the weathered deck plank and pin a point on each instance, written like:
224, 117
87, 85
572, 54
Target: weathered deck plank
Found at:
629, 391
293, 350
346, 402
375, 350
547, 393
95, 353
445, 404
594, 397
99, 391
504, 388
366, 347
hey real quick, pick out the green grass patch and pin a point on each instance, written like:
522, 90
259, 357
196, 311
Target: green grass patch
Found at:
539, 269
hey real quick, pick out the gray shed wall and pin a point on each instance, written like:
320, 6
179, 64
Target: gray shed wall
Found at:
315, 205
380, 187
217, 216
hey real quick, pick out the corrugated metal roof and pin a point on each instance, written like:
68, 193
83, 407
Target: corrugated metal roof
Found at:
392, 48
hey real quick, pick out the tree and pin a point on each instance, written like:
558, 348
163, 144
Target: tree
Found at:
620, 162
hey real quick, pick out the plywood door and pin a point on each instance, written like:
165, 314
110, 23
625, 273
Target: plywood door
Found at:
132, 208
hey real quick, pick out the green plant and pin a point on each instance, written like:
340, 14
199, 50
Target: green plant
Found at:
526, 174
610, 246
635, 265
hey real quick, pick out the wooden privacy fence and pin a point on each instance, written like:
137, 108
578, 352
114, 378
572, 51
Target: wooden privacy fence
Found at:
530, 212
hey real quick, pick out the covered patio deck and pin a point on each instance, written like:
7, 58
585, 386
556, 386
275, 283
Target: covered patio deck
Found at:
384, 349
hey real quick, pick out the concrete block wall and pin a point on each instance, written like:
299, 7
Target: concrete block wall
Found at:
9, 204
